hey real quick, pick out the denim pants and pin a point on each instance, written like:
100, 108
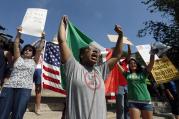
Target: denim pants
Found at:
13, 101
121, 103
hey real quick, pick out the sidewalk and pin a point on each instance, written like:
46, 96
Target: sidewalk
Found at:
53, 103
57, 115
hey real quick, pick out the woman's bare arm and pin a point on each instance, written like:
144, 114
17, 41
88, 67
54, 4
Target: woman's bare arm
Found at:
39, 48
17, 43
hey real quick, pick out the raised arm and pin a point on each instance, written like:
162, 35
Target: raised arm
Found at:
152, 59
168, 92
39, 48
128, 52
64, 49
151, 63
118, 48
120, 68
17, 43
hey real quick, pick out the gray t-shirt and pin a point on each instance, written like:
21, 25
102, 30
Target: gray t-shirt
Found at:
22, 74
85, 90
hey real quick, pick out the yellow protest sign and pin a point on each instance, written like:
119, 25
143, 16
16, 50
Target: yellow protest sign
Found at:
163, 70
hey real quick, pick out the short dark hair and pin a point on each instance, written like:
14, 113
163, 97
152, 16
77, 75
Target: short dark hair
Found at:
30, 46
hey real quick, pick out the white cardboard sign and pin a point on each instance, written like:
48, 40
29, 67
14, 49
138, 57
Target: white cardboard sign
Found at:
113, 38
144, 52
34, 21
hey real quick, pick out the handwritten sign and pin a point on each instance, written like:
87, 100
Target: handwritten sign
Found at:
34, 21
163, 71
113, 38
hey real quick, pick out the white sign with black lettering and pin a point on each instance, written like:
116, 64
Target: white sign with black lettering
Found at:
34, 21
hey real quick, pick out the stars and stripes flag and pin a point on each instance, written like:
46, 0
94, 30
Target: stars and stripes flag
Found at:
51, 75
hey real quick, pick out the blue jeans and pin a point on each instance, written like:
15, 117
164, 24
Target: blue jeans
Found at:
121, 103
14, 100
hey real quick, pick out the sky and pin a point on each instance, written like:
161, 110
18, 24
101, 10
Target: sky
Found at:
95, 18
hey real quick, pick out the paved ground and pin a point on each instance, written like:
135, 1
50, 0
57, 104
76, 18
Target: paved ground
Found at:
54, 101
57, 115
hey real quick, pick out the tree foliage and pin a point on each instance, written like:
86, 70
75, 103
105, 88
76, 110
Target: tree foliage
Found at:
167, 33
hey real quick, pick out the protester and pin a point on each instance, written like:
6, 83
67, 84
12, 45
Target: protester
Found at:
173, 97
38, 88
139, 99
38, 82
121, 95
16, 90
85, 85
116, 83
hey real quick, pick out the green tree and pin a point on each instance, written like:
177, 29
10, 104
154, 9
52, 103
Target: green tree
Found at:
167, 33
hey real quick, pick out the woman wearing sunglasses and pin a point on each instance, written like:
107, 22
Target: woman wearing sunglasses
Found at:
16, 90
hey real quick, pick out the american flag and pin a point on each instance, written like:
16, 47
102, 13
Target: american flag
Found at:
51, 75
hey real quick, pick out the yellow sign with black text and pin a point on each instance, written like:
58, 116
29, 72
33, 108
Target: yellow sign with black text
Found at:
164, 71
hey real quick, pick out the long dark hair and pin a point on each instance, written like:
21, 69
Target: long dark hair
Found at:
139, 66
30, 46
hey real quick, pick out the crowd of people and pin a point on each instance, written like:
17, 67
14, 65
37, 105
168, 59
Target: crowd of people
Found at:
85, 86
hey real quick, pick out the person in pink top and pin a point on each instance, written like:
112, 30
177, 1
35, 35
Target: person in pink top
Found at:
117, 83
121, 94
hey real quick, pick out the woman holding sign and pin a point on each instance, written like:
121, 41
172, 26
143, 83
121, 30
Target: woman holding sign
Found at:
16, 91
138, 95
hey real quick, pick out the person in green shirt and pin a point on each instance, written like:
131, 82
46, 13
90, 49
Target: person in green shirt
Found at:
139, 99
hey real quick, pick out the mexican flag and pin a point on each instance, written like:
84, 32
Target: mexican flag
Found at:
76, 40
